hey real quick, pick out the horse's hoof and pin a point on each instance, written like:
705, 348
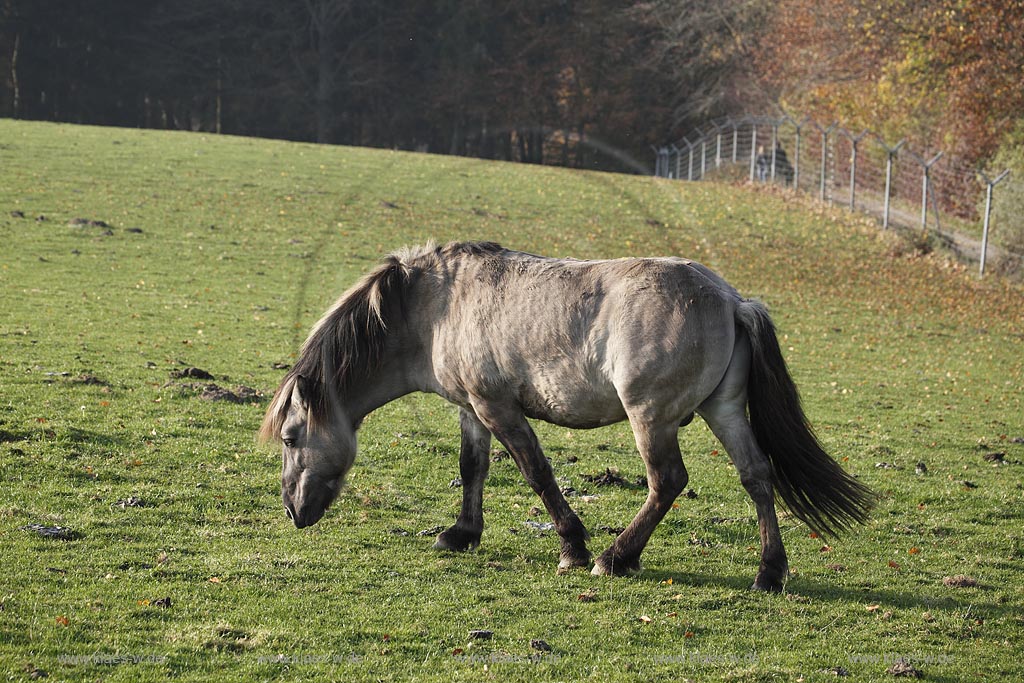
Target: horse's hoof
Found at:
605, 566
766, 585
771, 576
567, 563
457, 540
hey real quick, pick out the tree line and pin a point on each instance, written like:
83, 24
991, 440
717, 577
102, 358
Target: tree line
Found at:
544, 81
586, 83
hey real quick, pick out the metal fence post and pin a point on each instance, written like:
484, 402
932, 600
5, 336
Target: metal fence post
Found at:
824, 156
988, 213
854, 141
891, 153
735, 140
925, 181
775, 146
925, 184
718, 149
753, 149
796, 157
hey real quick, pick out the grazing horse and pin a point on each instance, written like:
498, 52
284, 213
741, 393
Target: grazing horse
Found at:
508, 336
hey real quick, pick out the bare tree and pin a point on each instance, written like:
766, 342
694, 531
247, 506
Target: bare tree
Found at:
707, 48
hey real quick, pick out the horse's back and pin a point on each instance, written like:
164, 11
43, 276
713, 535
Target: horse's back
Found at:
577, 342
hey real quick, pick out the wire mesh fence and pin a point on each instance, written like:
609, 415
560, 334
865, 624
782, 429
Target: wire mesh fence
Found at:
940, 197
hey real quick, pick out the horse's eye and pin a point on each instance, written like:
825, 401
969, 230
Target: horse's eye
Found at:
289, 443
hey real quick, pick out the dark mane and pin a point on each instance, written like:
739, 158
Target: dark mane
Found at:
349, 340
345, 343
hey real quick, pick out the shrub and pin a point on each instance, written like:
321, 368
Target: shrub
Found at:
1008, 197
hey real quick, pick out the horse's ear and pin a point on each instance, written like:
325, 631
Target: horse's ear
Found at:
302, 391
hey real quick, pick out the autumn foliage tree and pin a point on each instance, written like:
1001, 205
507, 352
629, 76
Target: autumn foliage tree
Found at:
946, 75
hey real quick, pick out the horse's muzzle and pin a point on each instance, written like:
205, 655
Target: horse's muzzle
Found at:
300, 519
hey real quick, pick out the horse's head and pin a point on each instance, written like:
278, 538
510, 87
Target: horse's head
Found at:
317, 450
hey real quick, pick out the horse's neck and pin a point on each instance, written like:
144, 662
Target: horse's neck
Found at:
405, 365
396, 377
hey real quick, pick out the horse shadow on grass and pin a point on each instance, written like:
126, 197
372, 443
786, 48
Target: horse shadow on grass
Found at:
822, 591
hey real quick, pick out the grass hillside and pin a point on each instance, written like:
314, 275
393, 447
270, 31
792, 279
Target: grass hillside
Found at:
129, 257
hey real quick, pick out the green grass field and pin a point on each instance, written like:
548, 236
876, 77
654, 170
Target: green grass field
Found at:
219, 253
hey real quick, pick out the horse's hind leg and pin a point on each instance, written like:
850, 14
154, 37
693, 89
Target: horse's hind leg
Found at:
755, 474
514, 432
666, 479
725, 413
473, 465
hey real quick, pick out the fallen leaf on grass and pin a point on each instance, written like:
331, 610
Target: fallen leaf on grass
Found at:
62, 533
589, 596
960, 581
193, 373
903, 668
894, 565
62, 621
34, 672
914, 551
610, 477
837, 671
646, 619
872, 608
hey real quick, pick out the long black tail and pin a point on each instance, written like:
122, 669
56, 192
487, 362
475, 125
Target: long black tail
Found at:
812, 485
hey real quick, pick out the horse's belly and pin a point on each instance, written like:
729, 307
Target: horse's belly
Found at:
574, 402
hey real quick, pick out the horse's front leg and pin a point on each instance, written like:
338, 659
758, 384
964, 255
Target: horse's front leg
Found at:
474, 462
511, 428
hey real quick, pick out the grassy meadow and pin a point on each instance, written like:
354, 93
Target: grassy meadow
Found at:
130, 256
